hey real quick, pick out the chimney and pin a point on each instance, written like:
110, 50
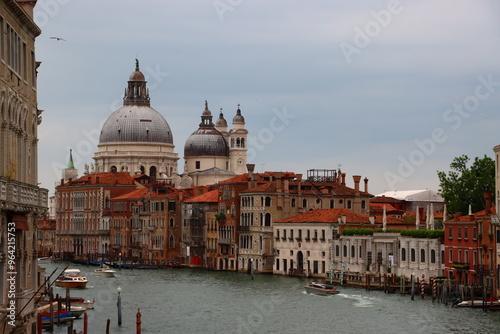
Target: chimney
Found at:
356, 179
299, 186
487, 201
279, 184
250, 169
62, 182
97, 179
371, 219
366, 184
343, 179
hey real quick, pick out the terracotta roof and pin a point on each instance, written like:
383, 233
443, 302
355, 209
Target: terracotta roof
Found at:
380, 206
237, 179
385, 199
326, 216
135, 194
209, 197
467, 218
122, 178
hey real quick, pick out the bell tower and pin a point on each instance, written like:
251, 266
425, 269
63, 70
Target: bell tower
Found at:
238, 144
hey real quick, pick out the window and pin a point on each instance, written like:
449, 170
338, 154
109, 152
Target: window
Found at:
304, 203
474, 233
345, 251
459, 256
268, 201
353, 251
171, 242
13, 50
197, 165
466, 233
337, 250
450, 233
332, 204
403, 254
422, 255
412, 255
1, 38
459, 233
363, 204
171, 206
433, 256
277, 264
466, 256
349, 204
450, 256
293, 202
474, 259
171, 222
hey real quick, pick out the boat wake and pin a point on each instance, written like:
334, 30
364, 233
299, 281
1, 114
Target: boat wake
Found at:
359, 301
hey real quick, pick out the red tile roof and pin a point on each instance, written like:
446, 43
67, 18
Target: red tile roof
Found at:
122, 178
209, 197
380, 206
136, 194
325, 216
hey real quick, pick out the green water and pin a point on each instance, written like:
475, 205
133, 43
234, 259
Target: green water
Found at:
197, 301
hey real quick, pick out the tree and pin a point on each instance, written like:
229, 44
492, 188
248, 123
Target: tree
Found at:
463, 185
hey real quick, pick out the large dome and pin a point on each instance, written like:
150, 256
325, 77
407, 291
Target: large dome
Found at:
206, 142
136, 123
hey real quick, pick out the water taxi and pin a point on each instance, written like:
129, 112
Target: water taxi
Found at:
72, 278
105, 270
321, 289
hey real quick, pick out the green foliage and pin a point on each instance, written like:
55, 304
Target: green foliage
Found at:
357, 231
463, 185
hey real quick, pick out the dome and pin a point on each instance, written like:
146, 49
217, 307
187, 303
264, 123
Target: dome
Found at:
221, 122
238, 118
136, 123
206, 142
137, 76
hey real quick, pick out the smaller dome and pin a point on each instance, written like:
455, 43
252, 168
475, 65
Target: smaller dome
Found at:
206, 112
238, 118
221, 122
206, 142
137, 76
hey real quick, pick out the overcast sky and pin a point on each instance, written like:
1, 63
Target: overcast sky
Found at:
390, 90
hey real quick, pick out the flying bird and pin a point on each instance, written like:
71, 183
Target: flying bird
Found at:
58, 38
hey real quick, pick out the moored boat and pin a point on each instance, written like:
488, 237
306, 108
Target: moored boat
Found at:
72, 278
486, 303
321, 289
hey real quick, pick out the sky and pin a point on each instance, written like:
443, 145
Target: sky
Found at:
389, 90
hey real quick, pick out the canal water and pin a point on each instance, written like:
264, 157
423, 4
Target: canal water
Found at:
198, 301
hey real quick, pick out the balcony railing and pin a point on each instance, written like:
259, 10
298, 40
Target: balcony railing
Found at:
460, 265
243, 229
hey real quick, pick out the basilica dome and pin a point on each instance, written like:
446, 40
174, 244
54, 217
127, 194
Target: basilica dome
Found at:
136, 121
206, 141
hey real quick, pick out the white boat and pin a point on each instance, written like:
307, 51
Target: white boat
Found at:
487, 303
72, 278
321, 289
105, 270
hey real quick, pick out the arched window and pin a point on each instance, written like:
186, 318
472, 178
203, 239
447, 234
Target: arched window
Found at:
422, 255
412, 255
268, 219
171, 242
268, 201
403, 254
345, 251
243, 142
332, 204
171, 222
337, 250
113, 169
238, 142
352, 251
433, 256
152, 172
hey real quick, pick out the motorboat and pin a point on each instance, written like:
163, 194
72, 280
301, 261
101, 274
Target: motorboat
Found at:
486, 303
77, 302
321, 289
61, 317
105, 270
72, 278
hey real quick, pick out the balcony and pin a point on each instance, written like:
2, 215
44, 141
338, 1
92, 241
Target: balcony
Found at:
243, 229
222, 241
23, 196
152, 228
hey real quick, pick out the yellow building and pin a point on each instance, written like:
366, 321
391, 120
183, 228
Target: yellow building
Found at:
21, 200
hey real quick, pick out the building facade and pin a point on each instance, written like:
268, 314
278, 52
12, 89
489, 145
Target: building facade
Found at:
21, 200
